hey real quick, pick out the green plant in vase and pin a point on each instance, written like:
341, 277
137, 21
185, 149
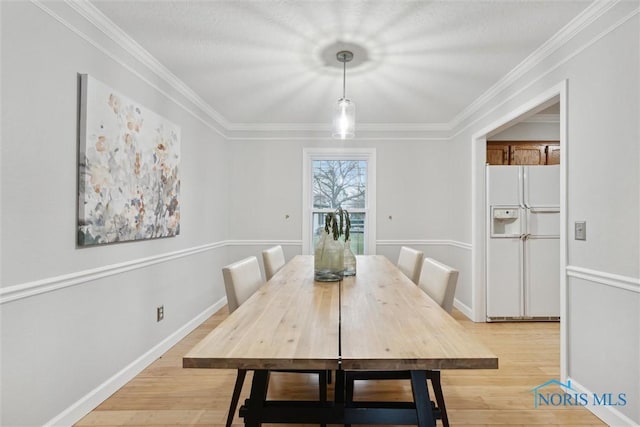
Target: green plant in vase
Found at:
349, 257
329, 262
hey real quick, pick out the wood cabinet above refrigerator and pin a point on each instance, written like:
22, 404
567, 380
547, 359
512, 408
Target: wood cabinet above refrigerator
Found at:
523, 152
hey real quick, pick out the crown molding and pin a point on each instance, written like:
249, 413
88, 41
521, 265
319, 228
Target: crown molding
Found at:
100, 21
92, 14
404, 127
279, 138
212, 124
575, 26
325, 127
460, 129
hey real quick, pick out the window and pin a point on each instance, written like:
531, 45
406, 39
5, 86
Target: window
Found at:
336, 178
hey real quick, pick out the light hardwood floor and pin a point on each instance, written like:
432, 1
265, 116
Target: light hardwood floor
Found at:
165, 394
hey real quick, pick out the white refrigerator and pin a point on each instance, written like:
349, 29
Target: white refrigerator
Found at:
523, 243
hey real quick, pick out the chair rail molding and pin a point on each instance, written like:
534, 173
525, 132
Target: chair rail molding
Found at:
603, 278
427, 242
50, 284
263, 242
36, 287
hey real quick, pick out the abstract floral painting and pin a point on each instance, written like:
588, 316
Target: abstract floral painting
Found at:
128, 181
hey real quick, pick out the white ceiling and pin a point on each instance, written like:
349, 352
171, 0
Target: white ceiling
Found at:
269, 62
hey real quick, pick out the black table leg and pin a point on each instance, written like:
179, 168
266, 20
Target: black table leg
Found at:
323, 380
257, 398
236, 395
338, 395
422, 400
339, 387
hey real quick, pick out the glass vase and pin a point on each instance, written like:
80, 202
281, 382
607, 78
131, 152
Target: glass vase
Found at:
329, 259
349, 260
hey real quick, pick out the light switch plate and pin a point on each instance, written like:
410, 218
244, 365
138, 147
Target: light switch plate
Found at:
581, 230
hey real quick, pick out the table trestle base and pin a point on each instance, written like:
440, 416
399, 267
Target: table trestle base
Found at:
257, 409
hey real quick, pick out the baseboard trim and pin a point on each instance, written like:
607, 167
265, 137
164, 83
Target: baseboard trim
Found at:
608, 414
89, 402
464, 309
29, 289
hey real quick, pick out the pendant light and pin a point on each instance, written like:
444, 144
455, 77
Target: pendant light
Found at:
344, 118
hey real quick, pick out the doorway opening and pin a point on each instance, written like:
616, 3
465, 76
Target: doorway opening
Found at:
554, 97
523, 210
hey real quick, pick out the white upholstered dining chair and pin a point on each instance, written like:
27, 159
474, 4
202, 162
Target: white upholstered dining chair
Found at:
439, 282
241, 280
273, 260
410, 263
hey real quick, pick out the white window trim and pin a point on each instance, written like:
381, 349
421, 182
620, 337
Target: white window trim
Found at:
311, 154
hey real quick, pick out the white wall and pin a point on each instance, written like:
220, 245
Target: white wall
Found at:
601, 65
529, 131
604, 190
412, 186
58, 347
415, 186
61, 346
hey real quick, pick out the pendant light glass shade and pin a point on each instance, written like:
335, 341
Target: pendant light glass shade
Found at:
344, 116
344, 119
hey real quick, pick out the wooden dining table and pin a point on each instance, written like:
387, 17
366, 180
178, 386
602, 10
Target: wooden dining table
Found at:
376, 320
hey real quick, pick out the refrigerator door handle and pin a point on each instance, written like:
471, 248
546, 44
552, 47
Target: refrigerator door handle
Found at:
522, 196
550, 209
523, 277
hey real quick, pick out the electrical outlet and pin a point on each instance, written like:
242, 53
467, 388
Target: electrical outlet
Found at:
160, 313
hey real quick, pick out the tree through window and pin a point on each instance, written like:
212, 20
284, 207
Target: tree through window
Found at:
339, 183
339, 177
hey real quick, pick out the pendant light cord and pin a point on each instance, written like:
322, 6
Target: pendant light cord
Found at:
344, 76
